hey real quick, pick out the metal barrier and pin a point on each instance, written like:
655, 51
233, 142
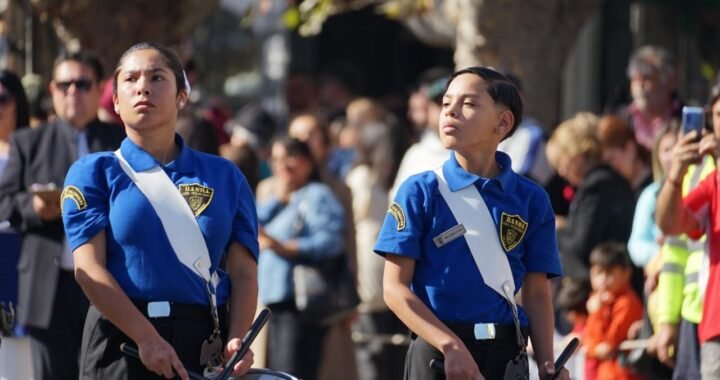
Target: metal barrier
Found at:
265, 374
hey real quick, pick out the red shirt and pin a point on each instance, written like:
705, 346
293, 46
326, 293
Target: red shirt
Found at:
703, 202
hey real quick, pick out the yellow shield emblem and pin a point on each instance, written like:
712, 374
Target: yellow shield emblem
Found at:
197, 196
512, 230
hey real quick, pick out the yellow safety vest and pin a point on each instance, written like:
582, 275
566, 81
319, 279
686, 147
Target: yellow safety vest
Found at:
678, 290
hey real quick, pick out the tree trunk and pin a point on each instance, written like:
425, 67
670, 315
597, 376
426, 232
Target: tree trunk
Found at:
530, 38
109, 27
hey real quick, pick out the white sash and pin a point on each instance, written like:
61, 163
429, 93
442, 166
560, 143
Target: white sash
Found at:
177, 219
472, 213
470, 210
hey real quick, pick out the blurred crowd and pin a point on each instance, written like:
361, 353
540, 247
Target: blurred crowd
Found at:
633, 294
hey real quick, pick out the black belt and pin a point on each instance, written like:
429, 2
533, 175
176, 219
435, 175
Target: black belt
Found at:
164, 309
486, 331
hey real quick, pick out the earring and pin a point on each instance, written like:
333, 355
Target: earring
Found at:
181, 105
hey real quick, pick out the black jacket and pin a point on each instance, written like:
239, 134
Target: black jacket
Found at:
42, 155
601, 211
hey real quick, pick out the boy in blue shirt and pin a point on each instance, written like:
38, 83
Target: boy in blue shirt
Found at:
431, 279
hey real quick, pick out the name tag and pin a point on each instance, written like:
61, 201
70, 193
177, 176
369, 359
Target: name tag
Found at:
449, 235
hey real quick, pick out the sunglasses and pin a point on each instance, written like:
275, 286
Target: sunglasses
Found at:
5, 98
80, 85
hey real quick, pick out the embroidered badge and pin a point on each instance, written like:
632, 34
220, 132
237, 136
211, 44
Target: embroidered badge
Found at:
397, 212
75, 195
197, 196
512, 230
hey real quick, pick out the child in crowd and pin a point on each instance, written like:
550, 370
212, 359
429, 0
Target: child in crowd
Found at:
571, 301
612, 308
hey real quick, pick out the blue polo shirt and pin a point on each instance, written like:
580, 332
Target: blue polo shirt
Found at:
446, 279
100, 196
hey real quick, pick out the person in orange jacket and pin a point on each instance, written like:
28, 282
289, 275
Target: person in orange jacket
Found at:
613, 307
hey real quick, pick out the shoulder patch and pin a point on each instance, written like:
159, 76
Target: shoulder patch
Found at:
512, 230
397, 212
197, 196
76, 195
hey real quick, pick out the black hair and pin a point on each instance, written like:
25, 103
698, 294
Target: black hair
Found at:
13, 85
610, 255
429, 76
191, 65
437, 89
573, 296
85, 58
295, 147
169, 57
501, 90
256, 120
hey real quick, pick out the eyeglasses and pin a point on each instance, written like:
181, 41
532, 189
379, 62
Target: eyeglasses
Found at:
80, 85
5, 98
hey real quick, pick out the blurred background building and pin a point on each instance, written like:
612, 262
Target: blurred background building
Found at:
571, 55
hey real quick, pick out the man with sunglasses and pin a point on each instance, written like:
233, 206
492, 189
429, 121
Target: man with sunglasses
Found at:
50, 303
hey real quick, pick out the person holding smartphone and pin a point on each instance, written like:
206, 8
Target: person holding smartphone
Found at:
698, 213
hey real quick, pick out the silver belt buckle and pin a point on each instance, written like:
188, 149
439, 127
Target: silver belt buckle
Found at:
158, 309
484, 331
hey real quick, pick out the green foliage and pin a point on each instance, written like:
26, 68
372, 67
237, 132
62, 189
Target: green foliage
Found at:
307, 16
403, 9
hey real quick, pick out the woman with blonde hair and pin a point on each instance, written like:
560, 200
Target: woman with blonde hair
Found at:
603, 204
646, 237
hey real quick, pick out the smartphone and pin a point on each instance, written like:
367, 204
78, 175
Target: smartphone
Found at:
48, 192
565, 355
693, 119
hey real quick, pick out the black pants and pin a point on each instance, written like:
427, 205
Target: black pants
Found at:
56, 350
102, 359
293, 346
491, 357
377, 360
687, 361
642, 362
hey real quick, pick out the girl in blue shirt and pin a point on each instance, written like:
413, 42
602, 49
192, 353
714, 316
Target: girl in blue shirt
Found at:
124, 260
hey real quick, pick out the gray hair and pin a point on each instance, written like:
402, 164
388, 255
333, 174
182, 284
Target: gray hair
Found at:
649, 58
